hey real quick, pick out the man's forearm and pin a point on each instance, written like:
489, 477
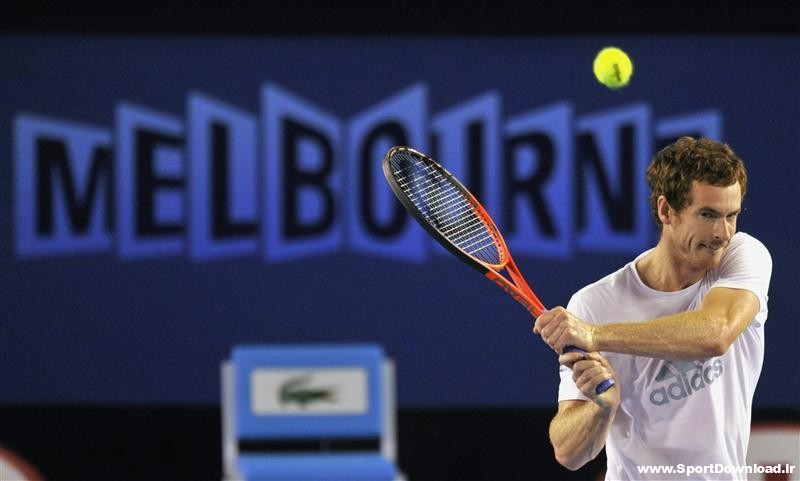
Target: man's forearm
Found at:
703, 333
687, 335
579, 433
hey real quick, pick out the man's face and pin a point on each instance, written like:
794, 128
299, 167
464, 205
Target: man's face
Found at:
701, 232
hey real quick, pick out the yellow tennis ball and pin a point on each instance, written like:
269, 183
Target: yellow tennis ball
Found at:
613, 68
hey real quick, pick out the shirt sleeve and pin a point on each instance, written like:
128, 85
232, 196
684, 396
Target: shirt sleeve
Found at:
567, 390
747, 265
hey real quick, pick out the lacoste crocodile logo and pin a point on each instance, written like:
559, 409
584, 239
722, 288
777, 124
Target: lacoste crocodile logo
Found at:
297, 390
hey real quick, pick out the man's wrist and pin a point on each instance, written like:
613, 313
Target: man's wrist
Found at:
598, 337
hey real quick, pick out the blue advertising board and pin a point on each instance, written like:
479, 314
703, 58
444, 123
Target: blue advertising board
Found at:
165, 198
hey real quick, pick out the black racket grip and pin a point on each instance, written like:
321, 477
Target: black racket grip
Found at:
603, 386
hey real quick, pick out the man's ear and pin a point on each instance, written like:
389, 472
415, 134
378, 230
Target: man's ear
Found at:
665, 212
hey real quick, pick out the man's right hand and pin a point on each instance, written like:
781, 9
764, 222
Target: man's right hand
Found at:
589, 370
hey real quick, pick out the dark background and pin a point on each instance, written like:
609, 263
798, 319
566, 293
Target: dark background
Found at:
164, 434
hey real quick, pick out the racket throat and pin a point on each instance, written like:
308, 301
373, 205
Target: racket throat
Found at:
514, 292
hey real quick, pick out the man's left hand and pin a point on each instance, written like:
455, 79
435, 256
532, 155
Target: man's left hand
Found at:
560, 328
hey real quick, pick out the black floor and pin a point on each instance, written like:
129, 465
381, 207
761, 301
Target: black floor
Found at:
183, 443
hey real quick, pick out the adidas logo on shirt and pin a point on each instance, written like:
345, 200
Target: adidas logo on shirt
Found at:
687, 378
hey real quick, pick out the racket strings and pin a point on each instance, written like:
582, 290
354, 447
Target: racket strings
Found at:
436, 201
458, 223
457, 209
446, 207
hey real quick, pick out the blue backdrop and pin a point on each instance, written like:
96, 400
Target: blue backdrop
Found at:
164, 198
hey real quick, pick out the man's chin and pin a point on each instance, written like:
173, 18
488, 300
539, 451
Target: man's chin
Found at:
711, 257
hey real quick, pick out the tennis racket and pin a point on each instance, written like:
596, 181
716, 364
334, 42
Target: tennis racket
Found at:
455, 218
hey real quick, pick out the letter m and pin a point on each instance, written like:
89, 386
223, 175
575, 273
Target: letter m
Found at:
62, 187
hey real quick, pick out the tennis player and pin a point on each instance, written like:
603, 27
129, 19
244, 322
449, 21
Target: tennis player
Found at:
680, 329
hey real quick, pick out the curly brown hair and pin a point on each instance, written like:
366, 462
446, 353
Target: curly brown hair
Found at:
676, 166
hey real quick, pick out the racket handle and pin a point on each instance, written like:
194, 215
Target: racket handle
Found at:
603, 386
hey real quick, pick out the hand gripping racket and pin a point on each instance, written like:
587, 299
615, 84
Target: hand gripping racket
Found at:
455, 218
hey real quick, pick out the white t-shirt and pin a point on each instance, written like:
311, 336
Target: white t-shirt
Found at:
672, 413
